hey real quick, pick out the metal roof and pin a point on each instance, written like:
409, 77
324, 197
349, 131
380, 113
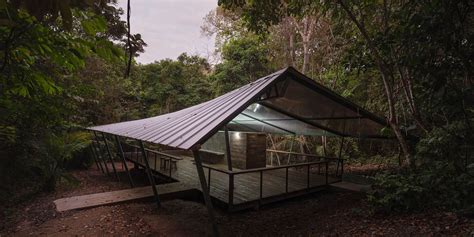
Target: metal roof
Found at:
285, 101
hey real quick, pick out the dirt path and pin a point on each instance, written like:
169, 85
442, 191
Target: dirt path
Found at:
323, 214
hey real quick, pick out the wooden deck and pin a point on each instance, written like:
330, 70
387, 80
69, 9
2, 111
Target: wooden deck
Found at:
234, 190
246, 187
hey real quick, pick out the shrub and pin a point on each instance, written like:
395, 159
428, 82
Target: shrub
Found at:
56, 151
444, 175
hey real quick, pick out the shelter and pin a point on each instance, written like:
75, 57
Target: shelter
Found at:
285, 102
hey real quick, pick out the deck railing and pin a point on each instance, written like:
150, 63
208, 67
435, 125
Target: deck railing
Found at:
261, 171
136, 156
339, 163
322, 163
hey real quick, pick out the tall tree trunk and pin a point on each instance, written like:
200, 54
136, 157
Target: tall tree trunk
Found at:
289, 33
305, 29
405, 79
385, 75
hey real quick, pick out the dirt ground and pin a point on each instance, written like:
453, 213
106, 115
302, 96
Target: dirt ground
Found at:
331, 213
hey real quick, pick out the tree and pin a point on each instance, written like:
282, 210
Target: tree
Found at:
170, 85
244, 60
45, 46
383, 34
418, 54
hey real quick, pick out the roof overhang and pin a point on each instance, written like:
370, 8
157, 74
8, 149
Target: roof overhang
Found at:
285, 102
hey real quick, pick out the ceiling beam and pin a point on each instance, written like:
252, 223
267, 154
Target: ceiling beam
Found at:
297, 117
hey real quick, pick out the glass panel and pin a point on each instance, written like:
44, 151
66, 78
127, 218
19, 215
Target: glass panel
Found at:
309, 104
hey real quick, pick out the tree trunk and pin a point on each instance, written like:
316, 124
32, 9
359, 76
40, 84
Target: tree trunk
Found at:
306, 29
385, 75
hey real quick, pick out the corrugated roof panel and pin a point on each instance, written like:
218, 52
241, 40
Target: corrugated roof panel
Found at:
185, 128
297, 97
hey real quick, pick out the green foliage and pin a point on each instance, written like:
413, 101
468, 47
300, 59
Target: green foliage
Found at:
56, 150
41, 87
61, 65
438, 186
443, 179
398, 192
425, 50
169, 85
243, 60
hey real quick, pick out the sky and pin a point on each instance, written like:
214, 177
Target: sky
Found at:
170, 27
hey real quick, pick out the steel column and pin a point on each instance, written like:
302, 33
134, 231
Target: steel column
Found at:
267, 123
342, 168
120, 150
297, 117
261, 184
227, 148
209, 179
205, 191
101, 153
96, 159
110, 156
150, 175
327, 167
308, 185
340, 153
231, 190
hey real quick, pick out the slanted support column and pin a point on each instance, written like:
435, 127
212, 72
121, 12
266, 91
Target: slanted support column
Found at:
100, 153
340, 156
96, 159
122, 155
205, 191
340, 150
227, 148
110, 156
150, 175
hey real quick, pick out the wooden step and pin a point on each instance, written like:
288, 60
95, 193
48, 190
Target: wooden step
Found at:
113, 197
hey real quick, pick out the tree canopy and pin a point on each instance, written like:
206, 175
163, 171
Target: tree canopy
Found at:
62, 66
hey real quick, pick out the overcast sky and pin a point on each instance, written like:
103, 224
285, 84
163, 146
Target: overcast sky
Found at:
170, 27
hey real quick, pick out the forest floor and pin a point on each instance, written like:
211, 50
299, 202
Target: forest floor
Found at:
330, 213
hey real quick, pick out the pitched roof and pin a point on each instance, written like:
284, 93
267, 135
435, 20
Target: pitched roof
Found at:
283, 102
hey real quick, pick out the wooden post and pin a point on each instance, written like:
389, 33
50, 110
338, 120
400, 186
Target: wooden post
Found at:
205, 191
100, 153
120, 150
286, 184
150, 175
110, 156
227, 148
